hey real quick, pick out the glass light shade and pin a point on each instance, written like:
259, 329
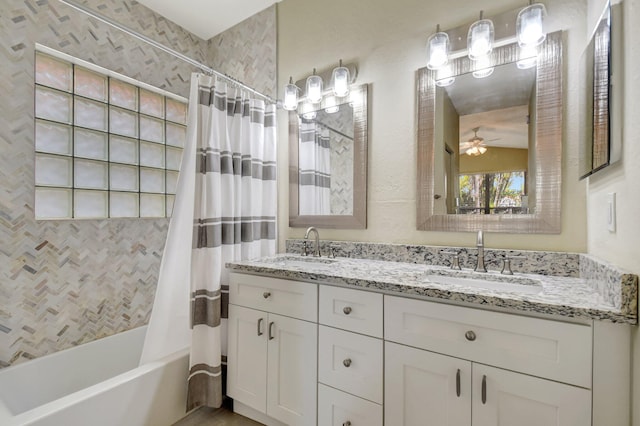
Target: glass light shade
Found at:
330, 105
290, 102
527, 57
438, 50
480, 39
483, 68
314, 89
529, 25
307, 111
444, 76
341, 78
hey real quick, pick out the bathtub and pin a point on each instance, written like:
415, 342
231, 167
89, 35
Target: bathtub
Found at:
98, 383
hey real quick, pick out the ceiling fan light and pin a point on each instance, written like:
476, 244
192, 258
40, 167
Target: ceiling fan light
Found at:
482, 150
438, 50
480, 38
529, 29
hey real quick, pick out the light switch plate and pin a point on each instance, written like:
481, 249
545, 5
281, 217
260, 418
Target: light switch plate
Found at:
611, 212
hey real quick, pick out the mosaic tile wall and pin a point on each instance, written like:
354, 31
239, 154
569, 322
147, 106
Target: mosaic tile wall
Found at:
247, 51
64, 283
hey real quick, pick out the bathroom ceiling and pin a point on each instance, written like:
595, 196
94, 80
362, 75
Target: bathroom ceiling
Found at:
207, 18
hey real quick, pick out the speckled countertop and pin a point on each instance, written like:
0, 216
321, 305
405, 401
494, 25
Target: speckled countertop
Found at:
570, 297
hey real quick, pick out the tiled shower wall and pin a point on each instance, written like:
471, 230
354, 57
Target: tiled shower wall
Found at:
64, 283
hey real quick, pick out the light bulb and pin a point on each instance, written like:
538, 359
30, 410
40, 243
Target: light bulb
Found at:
480, 38
529, 25
314, 88
290, 102
438, 50
340, 78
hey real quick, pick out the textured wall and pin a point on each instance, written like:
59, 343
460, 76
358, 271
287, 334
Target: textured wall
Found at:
64, 283
247, 51
69, 282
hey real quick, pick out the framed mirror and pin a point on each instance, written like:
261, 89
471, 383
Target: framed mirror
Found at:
490, 142
328, 164
601, 144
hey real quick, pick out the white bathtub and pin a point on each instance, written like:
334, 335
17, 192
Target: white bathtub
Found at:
98, 383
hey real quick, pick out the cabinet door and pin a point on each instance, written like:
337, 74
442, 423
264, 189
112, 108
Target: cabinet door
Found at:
426, 389
247, 357
517, 399
292, 370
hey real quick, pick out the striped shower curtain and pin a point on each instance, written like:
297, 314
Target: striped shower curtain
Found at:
315, 169
234, 216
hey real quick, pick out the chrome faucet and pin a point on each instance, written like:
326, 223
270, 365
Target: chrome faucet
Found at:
316, 250
480, 267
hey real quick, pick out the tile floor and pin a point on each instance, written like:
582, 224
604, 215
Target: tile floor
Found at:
215, 417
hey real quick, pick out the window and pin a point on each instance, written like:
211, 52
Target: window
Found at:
106, 145
492, 193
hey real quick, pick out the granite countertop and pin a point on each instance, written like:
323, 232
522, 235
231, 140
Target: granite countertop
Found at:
570, 297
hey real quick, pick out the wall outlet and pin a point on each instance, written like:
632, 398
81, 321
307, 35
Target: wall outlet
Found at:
611, 212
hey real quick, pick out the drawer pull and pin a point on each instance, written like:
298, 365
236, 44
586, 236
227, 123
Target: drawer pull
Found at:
271, 336
458, 383
260, 333
347, 423
484, 389
470, 335
347, 362
346, 310
266, 294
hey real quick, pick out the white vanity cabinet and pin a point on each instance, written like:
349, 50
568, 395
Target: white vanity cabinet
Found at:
443, 379
350, 357
272, 348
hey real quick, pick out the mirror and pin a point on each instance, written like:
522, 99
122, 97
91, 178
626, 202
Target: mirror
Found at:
328, 164
484, 134
600, 143
489, 148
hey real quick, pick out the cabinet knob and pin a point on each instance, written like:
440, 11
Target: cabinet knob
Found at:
347, 362
266, 294
470, 335
346, 310
347, 423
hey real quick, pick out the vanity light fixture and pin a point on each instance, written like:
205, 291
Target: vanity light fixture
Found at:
445, 76
340, 79
290, 102
529, 25
330, 105
307, 111
527, 57
483, 68
480, 38
314, 88
438, 49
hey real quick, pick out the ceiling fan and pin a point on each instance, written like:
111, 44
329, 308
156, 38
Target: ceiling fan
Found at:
474, 146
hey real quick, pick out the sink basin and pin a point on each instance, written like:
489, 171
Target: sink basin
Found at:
299, 261
513, 285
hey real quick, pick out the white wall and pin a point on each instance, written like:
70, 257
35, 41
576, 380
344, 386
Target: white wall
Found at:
387, 40
621, 247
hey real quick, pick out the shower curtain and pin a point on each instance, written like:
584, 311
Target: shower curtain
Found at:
315, 169
232, 140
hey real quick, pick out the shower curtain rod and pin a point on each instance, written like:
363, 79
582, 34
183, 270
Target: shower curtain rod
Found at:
141, 37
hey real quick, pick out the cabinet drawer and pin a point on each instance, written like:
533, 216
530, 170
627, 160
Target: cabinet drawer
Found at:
289, 298
336, 408
544, 348
350, 362
353, 310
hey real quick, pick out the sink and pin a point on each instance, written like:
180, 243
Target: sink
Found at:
299, 261
489, 282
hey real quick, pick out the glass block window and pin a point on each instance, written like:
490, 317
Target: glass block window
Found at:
106, 145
